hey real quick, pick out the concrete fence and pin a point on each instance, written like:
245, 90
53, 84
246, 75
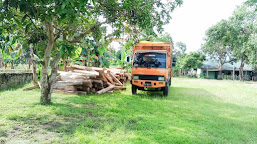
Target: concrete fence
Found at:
236, 77
13, 78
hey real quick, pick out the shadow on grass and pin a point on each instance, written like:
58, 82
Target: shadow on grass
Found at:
188, 115
16, 87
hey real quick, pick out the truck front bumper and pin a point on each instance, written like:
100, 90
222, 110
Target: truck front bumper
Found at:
148, 83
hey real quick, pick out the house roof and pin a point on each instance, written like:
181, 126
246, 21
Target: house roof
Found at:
213, 65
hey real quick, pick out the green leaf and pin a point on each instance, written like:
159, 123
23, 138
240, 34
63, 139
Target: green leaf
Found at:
13, 41
63, 5
7, 38
23, 19
27, 27
17, 21
78, 51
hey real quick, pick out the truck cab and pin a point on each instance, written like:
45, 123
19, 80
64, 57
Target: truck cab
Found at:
151, 67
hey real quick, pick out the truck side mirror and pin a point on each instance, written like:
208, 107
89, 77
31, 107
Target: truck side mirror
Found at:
128, 58
174, 59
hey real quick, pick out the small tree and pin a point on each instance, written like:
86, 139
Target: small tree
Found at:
193, 61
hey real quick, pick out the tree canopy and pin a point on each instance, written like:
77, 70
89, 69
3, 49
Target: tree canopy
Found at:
52, 25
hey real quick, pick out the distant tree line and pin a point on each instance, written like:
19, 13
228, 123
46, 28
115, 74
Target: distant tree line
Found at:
234, 39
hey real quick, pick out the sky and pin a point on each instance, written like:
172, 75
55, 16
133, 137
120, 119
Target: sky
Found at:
190, 21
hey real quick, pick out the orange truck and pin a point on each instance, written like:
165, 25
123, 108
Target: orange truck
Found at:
151, 67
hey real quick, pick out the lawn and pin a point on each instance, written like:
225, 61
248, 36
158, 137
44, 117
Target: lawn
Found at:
196, 111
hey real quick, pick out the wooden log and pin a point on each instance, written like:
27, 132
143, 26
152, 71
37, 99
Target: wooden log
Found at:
120, 88
91, 74
92, 90
82, 88
69, 68
110, 92
72, 76
31, 88
115, 79
87, 83
108, 78
67, 88
101, 76
66, 83
109, 84
97, 84
86, 68
70, 92
80, 67
105, 89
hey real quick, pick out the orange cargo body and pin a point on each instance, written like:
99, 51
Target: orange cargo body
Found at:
151, 67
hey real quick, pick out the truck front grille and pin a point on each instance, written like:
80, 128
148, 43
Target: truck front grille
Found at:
148, 77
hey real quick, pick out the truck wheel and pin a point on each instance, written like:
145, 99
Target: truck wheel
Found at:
166, 91
134, 89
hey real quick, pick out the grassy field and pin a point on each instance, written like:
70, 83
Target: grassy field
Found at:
196, 111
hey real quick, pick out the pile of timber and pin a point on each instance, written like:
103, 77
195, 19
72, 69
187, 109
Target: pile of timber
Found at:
83, 80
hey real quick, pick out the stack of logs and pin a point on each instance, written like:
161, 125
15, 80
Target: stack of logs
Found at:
84, 80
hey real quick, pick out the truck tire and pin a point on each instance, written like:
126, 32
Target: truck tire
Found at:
134, 89
166, 90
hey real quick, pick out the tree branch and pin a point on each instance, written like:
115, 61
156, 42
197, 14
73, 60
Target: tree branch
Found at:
54, 66
31, 21
77, 39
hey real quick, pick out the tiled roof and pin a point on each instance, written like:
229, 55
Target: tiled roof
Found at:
212, 65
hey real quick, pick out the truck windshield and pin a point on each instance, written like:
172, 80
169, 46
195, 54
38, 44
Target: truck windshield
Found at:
150, 60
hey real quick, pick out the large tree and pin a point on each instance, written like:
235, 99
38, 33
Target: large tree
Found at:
180, 50
243, 34
179, 53
72, 20
217, 45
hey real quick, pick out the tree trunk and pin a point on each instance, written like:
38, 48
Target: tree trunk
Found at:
34, 66
47, 81
220, 69
220, 72
12, 64
65, 65
84, 61
241, 70
1, 61
65, 62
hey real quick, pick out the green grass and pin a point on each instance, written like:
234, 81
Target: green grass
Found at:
196, 111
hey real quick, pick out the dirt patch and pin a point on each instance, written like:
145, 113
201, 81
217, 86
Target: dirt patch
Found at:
25, 133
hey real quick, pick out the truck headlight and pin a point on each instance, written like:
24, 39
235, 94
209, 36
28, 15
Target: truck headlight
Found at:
136, 77
161, 78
